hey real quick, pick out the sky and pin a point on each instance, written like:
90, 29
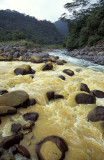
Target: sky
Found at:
41, 9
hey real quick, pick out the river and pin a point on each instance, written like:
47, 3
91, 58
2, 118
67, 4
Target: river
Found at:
79, 62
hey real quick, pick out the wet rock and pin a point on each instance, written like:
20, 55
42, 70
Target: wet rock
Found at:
11, 140
6, 110
84, 87
32, 76
50, 95
0, 121
36, 58
60, 143
27, 131
28, 126
16, 128
68, 72
63, 61
47, 66
60, 63
14, 150
100, 54
23, 70
23, 151
16, 55
98, 93
58, 96
78, 70
32, 116
62, 77
29, 102
97, 114
83, 98
3, 91
13, 98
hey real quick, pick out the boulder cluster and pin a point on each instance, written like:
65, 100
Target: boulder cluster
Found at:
94, 54
21, 53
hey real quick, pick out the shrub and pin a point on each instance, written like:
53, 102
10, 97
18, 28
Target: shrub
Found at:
93, 39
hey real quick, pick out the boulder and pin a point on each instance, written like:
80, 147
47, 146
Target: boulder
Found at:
35, 58
23, 70
13, 98
100, 54
6, 110
11, 140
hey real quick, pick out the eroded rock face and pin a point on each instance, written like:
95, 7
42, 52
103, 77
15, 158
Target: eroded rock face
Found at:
6, 110
13, 98
83, 98
23, 70
98, 93
97, 114
56, 147
11, 140
68, 72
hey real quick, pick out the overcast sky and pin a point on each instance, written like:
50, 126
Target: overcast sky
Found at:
41, 9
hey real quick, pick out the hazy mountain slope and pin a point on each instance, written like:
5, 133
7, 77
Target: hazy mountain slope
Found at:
62, 27
14, 25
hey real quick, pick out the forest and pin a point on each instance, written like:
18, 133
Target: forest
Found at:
16, 26
85, 24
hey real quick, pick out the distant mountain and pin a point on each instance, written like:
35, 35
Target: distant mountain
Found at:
16, 26
62, 27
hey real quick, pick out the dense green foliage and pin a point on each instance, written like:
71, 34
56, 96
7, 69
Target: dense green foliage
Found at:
62, 27
17, 26
86, 26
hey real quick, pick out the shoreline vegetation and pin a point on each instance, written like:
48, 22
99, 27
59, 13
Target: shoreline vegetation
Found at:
30, 44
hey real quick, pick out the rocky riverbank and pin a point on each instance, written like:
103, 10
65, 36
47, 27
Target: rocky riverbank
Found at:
94, 54
21, 53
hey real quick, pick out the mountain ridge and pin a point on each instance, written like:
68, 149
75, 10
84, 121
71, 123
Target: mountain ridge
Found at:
16, 26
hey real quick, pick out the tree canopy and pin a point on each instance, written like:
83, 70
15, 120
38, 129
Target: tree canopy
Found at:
86, 23
17, 26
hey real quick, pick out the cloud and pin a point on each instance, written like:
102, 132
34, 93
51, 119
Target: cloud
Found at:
41, 9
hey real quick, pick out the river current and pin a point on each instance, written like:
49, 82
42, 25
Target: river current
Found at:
79, 62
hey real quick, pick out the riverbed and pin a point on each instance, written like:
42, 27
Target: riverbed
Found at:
79, 62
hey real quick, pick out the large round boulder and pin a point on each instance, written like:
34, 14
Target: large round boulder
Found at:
13, 98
